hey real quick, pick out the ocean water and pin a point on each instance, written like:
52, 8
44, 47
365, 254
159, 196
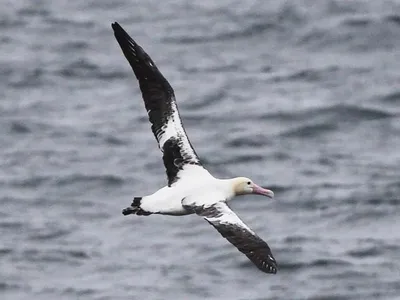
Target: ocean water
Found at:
301, 96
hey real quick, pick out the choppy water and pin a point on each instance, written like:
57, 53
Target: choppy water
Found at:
301, 96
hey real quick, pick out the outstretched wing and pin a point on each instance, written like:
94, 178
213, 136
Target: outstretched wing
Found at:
238, 234
161, 107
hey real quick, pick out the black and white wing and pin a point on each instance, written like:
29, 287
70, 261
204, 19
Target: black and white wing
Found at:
238, 234
159, 100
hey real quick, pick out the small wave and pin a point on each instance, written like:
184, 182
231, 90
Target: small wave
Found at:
49, 234
71, 47
215, 255
245, 32
109, 74
107, 139
75, 45
5, 251
239, 159
31, 182
68, 22
382, 199
364, 214
310, 75
6, 71
333, 296
7, 23
252, 30
354, 33
211, 69
281, 156
75, 253
79, 292
318, 263
328, 119
296, 266
56, 255
11, 224
8, 286
253, 141
324, 74
78, 68
344, 273
19, 127
361, 113
365, 252
254, 23
277, 189
298, 239
310, 130
358, 21
336, 113
113, 140
392, 97
86, 69
393, 19
381, 196
206, 101
33, 10
81, 178
28, 78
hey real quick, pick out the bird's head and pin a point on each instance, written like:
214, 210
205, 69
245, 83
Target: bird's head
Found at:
244, 186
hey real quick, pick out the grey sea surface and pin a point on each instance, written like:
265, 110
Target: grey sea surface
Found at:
301, 96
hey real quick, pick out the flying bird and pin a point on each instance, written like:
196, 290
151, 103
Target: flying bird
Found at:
191, 189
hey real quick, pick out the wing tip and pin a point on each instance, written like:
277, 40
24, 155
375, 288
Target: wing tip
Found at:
115, 26
264, 265
271, 269
268, 265
130, 47
119, 32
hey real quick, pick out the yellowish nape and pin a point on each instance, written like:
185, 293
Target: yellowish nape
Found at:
242, 185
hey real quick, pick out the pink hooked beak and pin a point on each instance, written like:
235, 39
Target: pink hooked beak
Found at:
261, 191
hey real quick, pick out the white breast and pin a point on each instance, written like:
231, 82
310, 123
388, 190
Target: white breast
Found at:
168, 200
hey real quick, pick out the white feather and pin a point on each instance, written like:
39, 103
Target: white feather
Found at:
228, 217
174, 128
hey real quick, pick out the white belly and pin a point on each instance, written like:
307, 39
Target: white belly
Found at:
167, 201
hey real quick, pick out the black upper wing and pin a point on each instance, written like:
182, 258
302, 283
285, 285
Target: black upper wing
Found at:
161, 107
239, 234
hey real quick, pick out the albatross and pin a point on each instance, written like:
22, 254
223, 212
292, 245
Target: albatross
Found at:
191, 189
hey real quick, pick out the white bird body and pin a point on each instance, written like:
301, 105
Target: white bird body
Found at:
196, 181
168, 200
191, 188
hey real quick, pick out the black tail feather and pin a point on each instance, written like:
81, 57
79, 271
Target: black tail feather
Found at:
129, 210
136, 201
135, 208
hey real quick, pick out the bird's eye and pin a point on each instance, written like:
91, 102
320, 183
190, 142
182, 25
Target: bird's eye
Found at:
248, 182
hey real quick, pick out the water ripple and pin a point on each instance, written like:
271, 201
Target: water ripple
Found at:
303, 98
318, 263
83, 178
365, 252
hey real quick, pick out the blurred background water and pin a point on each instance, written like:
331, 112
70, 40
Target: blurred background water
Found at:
301, 96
